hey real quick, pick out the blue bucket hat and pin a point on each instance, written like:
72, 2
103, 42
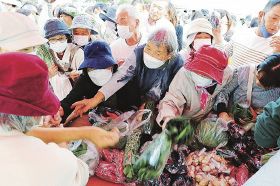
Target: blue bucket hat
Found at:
98, 55
110, 14
55, 27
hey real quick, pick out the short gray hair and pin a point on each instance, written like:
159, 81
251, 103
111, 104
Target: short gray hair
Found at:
9, 122
164, 33
131, 10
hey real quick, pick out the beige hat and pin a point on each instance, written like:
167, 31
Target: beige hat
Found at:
18, 32
197, 25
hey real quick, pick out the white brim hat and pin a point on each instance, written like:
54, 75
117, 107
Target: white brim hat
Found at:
18, 32
196, 26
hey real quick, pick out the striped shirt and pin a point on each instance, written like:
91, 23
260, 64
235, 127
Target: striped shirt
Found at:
246, 48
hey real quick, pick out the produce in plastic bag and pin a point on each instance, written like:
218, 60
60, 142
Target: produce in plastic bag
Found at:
212, 133
87, 152
110, 167
208, 168
242, 114
241, 174
131, 152
152, 161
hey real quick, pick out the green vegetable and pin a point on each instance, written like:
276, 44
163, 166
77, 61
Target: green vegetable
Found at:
242, 114
82, 149
152, 161
130, 153
211, 134
43, 52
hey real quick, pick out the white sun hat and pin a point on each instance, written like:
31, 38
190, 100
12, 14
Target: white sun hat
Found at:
18, 32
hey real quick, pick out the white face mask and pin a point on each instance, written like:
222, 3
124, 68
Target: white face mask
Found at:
198, 43
100, 76
152, 62
200, 81
58, 46
124, 32
81, 40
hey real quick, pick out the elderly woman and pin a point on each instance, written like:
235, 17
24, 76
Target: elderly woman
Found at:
28, 158
251, 86
82, 27
197, 34
151, 67
97, 71
67, 57
194, 88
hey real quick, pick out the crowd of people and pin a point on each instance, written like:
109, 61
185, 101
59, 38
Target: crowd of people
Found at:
127, 57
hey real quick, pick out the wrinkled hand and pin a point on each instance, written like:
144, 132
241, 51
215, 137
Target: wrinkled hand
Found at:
224, 116
102, 138
74, 75
218, 38
52, 121
81, 107
166, 120
53, 70
275, 44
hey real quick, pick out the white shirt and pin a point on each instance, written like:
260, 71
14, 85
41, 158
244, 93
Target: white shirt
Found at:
28, 161
60, 82
246, 47
121, 50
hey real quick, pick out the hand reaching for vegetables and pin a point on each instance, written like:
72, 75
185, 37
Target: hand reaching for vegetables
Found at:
224, 116
52, 121
102, 138
83, 106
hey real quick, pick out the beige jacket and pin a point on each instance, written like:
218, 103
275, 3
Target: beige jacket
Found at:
182, 97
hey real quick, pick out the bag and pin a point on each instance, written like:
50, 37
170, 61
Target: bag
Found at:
87, 152
110, 167
126, 122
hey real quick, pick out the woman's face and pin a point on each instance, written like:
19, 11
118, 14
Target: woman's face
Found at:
159, 52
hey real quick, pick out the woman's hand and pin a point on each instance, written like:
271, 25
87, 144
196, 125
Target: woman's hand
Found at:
218, 38
224, 116
81, 107
52, 121
53, 70
102, 138
74, 75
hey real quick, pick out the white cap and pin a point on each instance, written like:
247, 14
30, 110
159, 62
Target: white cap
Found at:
197, 25
18, 31
12, 2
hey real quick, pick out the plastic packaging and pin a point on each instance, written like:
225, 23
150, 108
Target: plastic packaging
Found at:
212, 133
110, 167
87, 152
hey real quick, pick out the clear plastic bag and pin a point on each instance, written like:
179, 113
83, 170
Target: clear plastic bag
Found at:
125, 122
87, 152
